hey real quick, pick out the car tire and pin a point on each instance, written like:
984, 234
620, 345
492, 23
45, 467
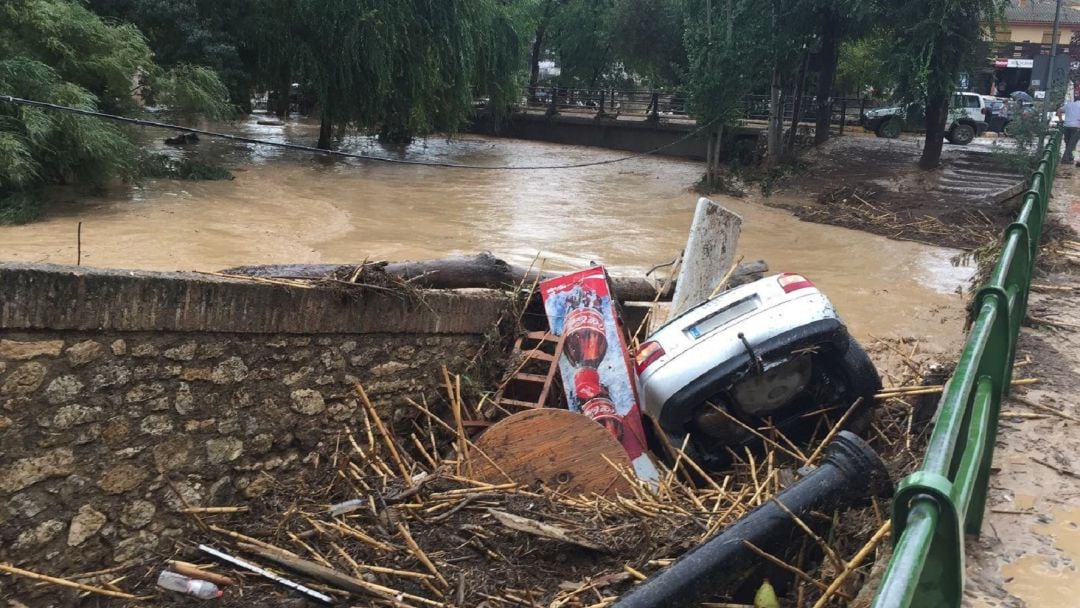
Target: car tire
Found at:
961, 134
863, 382
890, 129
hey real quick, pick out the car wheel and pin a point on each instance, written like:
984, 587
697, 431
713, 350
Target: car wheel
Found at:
890, 129
961, 135
863, 381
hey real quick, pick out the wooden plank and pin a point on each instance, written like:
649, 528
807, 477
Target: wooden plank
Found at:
523, 377
542, 336
555, 447
552, 370
518, 403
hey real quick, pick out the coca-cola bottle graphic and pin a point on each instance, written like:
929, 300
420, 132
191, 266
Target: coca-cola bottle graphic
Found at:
586, 383
585, 342
601, 409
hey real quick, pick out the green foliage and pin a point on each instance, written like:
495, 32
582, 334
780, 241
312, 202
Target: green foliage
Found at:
581, 42
863, 67
57, 51
723, 71
81, 48
20, 208
195, 32
162, 166
933, 41
1028, 129
409, 66
647, 36
193, 90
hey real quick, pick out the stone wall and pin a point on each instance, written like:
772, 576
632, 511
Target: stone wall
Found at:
116, 410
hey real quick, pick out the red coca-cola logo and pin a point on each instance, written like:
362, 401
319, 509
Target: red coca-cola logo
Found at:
600, 407
602, 410
583, 319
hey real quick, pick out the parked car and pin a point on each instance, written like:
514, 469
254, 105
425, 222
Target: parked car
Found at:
966, 120
772, 350
996, 111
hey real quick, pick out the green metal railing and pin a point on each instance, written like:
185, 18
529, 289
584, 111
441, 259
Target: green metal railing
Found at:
935, 506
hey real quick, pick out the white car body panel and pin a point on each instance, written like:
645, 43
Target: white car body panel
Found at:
687, 358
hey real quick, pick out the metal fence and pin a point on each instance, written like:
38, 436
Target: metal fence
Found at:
610, 101
644, 103
935, 506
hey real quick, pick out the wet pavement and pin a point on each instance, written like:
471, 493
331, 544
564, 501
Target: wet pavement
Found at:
1029, 552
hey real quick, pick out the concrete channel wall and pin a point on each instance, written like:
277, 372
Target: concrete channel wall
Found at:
126, 395
631, 135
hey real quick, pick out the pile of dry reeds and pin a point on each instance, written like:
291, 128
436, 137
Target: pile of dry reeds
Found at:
392, 519
855, 207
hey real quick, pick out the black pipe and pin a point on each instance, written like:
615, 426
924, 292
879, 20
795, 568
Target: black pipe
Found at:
851, 470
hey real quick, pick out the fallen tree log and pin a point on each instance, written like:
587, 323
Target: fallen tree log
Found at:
478, 271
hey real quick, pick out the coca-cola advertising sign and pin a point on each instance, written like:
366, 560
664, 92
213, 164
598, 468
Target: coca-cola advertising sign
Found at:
595, 365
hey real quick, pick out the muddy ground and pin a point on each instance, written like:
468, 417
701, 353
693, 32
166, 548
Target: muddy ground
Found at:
873, 184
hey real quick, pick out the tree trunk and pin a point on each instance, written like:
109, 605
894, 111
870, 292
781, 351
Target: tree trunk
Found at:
729, 25
537, 48
534, 63
479, 271
717, 146
326, 129
776, 118
829, 56
281, 105
709, 162
937, 111
796, 113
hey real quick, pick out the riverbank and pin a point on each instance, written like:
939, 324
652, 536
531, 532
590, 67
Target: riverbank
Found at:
874, 185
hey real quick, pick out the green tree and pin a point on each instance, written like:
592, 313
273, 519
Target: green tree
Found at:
406, 67
647, 37
581, 42
932, 42
863, 65
58, 51
210, 33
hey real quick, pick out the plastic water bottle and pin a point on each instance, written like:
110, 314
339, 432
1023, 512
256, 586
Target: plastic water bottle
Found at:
204, 590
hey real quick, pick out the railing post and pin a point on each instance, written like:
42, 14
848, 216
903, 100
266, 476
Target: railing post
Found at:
600, 109
612, 100
843, 114
553, 106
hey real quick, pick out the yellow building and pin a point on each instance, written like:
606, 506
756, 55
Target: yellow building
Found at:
1033, 21
1021, 46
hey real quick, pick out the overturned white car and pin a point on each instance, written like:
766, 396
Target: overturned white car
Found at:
772, 351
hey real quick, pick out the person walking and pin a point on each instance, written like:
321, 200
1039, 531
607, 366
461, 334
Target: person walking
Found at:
1071, 113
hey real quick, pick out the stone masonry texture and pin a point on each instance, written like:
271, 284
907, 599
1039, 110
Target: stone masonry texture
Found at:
102, 427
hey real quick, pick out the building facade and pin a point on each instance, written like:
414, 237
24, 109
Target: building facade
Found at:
1020, 50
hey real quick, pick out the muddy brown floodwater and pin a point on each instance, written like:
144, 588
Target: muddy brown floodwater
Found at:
287, 206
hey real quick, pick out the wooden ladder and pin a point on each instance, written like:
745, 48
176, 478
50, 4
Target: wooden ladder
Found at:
531, 350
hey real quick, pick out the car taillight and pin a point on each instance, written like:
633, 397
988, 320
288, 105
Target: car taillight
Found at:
648, 353
792, 282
